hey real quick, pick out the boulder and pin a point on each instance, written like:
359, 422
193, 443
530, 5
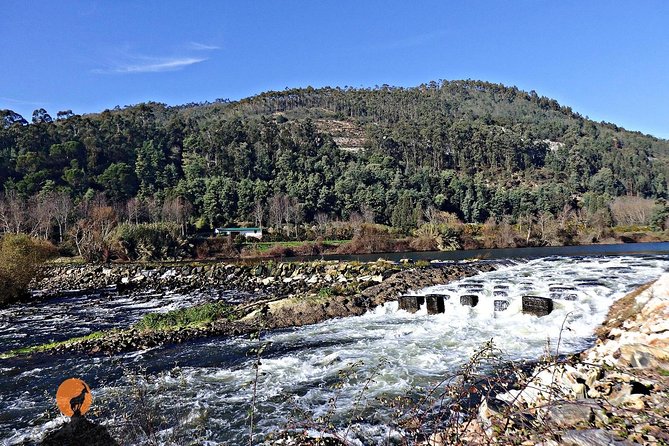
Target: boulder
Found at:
570, 414
644, 356
79, 430
592, 437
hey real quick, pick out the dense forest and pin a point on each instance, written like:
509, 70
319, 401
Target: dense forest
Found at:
471, 150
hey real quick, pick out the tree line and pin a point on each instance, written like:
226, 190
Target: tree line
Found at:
476, 150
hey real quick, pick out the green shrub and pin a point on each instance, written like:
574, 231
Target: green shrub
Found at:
20, 259
148, 241
325, 292
432, 237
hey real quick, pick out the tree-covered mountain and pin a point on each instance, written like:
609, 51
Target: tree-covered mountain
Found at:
475, 149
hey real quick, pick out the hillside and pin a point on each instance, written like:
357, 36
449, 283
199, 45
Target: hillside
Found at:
471, 148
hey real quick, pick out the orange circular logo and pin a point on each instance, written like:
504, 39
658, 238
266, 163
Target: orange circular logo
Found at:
74, 397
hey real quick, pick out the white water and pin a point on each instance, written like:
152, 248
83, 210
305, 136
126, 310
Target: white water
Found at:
33, 323
401, 351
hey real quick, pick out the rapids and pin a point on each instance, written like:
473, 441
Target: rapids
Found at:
205, 386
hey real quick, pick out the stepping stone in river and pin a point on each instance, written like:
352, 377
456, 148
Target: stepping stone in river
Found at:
538, 306
435, 303
410, 302
501, 305
622, 269
469, 299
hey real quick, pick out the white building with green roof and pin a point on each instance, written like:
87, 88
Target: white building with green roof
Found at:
244, 232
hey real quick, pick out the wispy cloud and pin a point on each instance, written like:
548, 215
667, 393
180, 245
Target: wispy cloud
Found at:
126, 60
197, 46
19, 101
151, 65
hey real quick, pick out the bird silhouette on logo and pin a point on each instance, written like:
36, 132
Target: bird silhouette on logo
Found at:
78, 401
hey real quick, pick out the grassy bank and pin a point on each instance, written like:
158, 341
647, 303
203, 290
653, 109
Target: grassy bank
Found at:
195, 316
268, 246
51, 346
379, 239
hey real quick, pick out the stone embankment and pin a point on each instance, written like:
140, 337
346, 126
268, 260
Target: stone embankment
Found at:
615, 393
299, 293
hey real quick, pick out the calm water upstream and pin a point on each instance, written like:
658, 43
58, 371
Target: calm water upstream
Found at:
205, 385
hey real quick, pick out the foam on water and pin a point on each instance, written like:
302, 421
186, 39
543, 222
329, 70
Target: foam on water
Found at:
305, 368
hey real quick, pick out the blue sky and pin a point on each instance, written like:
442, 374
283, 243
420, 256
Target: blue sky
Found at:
608, 60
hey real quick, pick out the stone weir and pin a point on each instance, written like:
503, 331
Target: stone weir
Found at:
276, 278
299, 293
436, 303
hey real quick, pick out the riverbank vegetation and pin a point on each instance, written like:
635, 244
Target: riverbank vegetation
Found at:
444, 165
20, 259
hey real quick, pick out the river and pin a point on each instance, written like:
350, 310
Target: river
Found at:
204, 389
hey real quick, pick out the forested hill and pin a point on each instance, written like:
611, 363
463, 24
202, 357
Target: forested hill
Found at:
472, 148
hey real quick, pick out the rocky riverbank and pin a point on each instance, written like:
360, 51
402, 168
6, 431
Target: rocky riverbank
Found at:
294, 293
615, 393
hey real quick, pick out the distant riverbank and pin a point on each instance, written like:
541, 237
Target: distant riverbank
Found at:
466, 242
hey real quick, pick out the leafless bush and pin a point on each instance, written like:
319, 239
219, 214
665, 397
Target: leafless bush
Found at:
499, 234
222, 247
370, 239
632, 211
310, 249
92, 234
